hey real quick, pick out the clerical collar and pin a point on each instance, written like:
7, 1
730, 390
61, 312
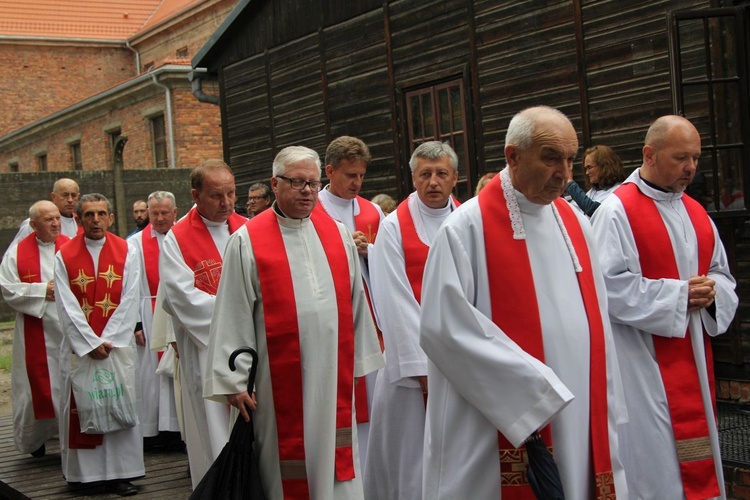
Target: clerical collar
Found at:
45, 243
435, 212
95, 243
210, 223
652, 185
281, 213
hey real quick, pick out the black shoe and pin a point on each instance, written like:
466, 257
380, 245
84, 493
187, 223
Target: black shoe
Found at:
122, 488
39, 452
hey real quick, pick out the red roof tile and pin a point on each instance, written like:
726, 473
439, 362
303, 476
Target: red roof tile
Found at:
86, 19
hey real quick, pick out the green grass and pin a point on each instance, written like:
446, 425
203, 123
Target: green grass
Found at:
5, 362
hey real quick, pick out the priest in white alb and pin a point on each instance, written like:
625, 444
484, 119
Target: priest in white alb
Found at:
157, 411
515, 328
27, 283
393, 468
670, 290
292, 290
97, 280
346, 165
191, 265
64, 195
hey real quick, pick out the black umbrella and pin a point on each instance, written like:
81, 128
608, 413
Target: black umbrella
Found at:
542, 472
234, 474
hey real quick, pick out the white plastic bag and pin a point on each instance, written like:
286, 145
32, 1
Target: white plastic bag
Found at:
167, 362
104, 390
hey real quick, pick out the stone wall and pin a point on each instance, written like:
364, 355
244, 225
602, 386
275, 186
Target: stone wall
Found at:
19, 191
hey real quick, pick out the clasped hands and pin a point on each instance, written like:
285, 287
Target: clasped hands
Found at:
701, 292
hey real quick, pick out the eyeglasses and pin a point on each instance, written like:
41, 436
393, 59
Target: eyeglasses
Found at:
299, 184
256, 198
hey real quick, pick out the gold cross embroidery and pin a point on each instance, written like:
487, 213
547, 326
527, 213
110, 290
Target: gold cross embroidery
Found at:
107, 305
27, 277
86, 308
82, 280
110, 276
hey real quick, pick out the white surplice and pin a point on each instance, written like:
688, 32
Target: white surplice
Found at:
157, 410
68, 227
480, 381
344, 210
640, 308
121, 454
207, 423
238, 320
30, 298
393, 467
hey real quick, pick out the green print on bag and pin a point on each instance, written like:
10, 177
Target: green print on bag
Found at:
105, 377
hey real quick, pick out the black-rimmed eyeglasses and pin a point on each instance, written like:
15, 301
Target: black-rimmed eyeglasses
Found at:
299, 184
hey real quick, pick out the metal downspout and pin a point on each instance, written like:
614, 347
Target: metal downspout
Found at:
198, 92
137, 57
168, 97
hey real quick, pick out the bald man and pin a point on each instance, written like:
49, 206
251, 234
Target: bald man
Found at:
26, 280
669, 289
64, 196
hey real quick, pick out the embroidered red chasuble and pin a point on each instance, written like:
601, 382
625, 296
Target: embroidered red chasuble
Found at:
30, 271
98, 292
511, 264
199, 250
675, 355
282, 336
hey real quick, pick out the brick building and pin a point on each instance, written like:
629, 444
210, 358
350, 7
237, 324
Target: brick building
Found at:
83, 77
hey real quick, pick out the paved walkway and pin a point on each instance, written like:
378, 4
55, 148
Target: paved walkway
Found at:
24, 477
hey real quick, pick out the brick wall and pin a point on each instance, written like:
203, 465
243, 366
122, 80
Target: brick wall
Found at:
38, 80
735, 391
191, 34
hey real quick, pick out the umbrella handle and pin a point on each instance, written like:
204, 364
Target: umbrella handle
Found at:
253, 367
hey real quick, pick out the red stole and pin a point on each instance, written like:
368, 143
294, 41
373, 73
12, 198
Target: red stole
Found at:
98, 292
37, 370
199, 250
150, 246
368, 222
675, 355
282, 337
511, 264
415, 251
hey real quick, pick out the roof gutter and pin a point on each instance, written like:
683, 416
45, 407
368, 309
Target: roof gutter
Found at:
137, 57
197, 80
168, 99
60, 39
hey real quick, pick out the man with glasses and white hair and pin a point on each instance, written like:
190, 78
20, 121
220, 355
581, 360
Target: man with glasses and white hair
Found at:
291, 289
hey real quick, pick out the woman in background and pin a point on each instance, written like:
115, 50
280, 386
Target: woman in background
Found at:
604, 173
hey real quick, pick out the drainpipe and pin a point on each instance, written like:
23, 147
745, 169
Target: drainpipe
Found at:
168, 98
198, 92
137, 57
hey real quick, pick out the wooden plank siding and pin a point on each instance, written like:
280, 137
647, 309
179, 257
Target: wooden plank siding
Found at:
308, 72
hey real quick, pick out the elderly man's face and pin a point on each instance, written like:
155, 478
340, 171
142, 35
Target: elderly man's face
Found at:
95, 219
434, 181
296, 203
256, 202
65, 196
47, 224
215, 200
162, 215
541, 171
672, 166
346, 179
